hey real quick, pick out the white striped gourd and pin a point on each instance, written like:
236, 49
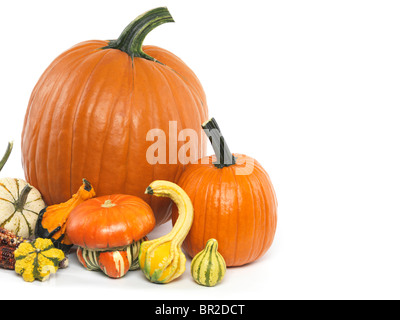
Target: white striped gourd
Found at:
20, 203
208, 266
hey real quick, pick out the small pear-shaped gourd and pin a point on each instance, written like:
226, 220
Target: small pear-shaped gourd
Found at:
208, 266
162, 259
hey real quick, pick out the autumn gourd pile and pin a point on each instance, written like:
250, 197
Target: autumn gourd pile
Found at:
94, 188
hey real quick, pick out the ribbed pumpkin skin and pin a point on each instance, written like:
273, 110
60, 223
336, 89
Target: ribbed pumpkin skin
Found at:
89, 115
239, 211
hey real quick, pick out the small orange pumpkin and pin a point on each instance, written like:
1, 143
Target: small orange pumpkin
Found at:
233, 202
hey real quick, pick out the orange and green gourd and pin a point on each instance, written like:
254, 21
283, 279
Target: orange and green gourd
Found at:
108, 231
53, 219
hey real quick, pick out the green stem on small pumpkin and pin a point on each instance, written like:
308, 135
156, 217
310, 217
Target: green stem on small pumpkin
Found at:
131, 39
20, 203
224, 156
6, 155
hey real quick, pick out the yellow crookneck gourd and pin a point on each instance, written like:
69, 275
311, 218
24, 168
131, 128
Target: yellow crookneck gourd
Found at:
208, 267
162, 259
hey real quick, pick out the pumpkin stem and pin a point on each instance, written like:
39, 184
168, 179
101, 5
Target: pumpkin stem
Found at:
221, 149
20, 203
131, 39
6, 155
108, 204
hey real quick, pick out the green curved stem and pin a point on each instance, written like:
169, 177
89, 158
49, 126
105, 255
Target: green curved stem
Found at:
6, 155
131, 39
221, 149
20, 204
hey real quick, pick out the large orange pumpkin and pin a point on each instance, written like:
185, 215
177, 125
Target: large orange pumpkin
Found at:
91, 111
234, 202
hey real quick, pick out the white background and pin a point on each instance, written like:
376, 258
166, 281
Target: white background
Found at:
308, 88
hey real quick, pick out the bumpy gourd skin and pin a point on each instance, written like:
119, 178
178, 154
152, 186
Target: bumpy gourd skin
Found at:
162, 262
37, 260
162, 259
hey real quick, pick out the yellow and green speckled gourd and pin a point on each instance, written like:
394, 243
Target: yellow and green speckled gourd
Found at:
208, 266
37, 260
162, 259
